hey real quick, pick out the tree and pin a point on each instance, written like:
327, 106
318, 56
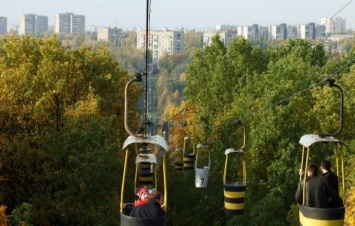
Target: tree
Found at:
61, 127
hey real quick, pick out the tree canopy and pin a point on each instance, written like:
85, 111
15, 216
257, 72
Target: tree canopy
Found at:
61, 120
277, 95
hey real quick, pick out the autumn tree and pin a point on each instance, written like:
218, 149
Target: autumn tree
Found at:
61, 127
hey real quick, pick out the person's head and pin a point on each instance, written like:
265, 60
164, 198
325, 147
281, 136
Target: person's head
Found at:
157, 196
325, 164
312, 169
143, 194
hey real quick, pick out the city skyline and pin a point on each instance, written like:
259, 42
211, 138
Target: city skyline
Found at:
192, 14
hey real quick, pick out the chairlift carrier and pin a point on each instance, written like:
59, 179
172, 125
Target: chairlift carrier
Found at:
318, 216
234, 191
202, 171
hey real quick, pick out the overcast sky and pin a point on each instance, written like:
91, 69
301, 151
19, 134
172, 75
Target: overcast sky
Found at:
184, 13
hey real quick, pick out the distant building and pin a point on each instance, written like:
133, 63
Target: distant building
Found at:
333, 26
67, 23
338, 38
249, 32
224, 36
307, 31
263, 32
31, 24
320, 32
107, 33
3, 25
292, 31
226, 28
161, 42
278, 32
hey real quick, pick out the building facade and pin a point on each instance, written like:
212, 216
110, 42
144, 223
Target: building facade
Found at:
278, 32
224, 36
161, 42
292, 31
307, 31
249, 32
3, 25
67, 23
108, 34
334, 26
31, 24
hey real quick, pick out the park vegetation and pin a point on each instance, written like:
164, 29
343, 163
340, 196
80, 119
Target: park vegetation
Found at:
61, 125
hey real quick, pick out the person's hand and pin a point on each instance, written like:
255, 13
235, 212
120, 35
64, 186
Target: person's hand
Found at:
301, 172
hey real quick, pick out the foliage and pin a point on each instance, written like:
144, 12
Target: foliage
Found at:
272, 93
21, 214
61, 126
62, 113
350, 208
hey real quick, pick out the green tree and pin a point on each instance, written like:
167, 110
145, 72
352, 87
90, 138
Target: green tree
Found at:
61, 128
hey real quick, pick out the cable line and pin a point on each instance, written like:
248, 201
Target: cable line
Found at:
341, 9
336, 13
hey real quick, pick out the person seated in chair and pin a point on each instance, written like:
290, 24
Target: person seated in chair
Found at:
143, 195
318, 191
153, 209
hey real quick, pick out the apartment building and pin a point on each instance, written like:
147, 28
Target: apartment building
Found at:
108, 34
68, 23
224, 36
226, 28
263, 32
321, 32
3, 25
161, 42
278, 32
249, 32
334, 26
292, 31
31, 24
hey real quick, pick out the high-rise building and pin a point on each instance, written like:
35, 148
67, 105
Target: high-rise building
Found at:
161, 42
292, 31
224, 36
3, 25
278, 32
307, 31
77, 24
67, 23
320, 32
107, 33
31, 24
333, 26
249, 32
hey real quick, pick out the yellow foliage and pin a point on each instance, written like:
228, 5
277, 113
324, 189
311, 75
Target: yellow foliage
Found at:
3, 221
350, 208
182, 77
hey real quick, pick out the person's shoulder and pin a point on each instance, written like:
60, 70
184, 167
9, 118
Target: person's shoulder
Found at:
322, 180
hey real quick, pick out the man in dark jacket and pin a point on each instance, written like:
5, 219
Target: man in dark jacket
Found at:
332, 179
153, 209
329, 175
318, 191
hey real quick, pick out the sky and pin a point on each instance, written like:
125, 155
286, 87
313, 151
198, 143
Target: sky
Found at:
191, 14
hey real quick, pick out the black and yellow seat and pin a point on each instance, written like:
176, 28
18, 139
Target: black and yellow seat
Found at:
322, 216
234, 191
188, 153
202, 166
178, 160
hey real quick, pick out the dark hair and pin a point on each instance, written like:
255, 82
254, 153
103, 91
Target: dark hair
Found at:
326, 164
313, 168
155, 195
